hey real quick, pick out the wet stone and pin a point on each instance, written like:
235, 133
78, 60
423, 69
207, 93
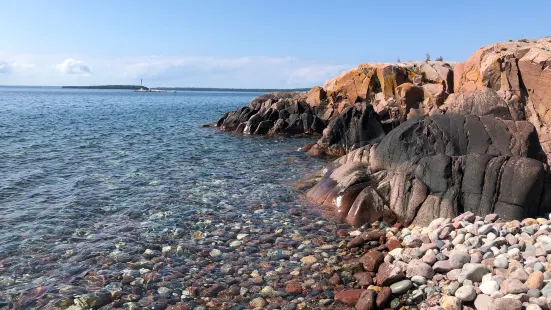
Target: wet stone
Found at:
364, 279
372, 260
348, 297
93, 300
258, 302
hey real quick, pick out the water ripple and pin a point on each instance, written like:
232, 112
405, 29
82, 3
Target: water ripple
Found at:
85, 170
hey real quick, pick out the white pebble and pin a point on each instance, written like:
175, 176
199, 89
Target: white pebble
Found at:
489, 287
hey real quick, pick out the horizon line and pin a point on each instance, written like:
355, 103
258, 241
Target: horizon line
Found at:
157, 87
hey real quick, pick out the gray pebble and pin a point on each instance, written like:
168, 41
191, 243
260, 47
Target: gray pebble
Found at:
451, 288
501, 262
528, 229
466, 293
534, 293
546, 290
401, 287
419, 280
485, 229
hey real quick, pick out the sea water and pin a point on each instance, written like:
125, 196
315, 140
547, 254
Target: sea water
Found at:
86, 172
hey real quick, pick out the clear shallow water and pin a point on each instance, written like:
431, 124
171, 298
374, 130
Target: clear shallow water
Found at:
84, 171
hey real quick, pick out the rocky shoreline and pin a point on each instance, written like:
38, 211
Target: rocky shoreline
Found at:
422, 140
292, 259
443, 170
468, 262
439, 199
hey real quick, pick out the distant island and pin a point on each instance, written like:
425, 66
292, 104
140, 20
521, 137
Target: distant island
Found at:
135, 87
131, 87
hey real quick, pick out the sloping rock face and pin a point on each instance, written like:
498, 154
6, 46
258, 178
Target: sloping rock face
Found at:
438, 166
520, 72
483, 102
275, 113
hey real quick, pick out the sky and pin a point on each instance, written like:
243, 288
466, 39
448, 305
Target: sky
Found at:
243, 43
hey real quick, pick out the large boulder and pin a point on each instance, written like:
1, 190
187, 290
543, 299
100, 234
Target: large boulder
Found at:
508, 66
535, 69
456, 135
315, 96
410, 99
355, 127
352, 84
434, 96
391, 76
438, 166
483, 69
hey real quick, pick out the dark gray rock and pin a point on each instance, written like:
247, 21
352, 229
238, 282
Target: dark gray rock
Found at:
442, 166
287, 113
355, 127
263, 127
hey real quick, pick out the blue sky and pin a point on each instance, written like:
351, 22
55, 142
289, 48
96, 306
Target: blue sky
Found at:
243, 43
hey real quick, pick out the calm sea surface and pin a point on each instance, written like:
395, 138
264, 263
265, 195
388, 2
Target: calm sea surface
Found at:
84, 171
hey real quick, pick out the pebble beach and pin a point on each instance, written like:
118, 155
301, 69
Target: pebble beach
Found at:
291, 259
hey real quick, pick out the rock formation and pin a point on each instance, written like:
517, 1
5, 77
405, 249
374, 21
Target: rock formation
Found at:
438, 166
356, 126
422, 140
275, 113
520, 72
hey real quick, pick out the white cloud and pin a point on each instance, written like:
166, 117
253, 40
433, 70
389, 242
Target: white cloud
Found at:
5, 67
72, 66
